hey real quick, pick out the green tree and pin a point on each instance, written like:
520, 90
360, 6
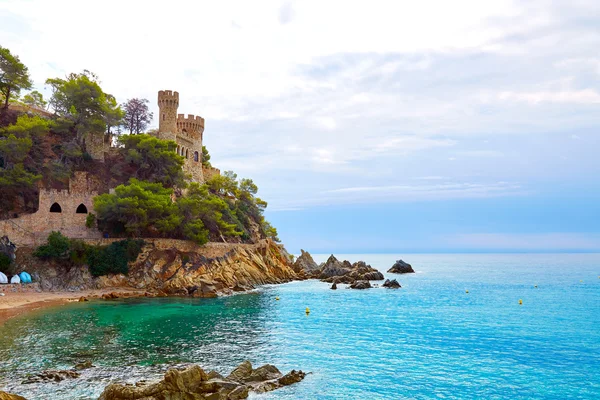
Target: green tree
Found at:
27, 126
57, 247
80, 100
14, 76
139, 208
205, 157
155, 160
35, 99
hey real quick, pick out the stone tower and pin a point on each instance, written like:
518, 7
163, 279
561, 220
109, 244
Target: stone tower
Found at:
185, 131
168, 102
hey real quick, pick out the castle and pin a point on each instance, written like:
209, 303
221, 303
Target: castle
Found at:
185, 131
66, 210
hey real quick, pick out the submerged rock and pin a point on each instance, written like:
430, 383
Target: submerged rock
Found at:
400, 267
194, 383
83, 365
51, 376
360, 285
9, 396
393, 284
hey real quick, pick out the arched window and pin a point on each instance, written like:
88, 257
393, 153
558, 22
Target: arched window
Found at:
186, 153
177, 150
196, 156
55, 208
163, 117
82, 209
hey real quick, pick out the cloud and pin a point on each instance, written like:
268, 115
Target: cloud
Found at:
286, 13
585, 96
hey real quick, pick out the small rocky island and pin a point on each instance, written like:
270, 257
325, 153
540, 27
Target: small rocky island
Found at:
400, 267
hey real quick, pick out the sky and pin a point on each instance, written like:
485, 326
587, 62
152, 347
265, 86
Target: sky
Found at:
368, 126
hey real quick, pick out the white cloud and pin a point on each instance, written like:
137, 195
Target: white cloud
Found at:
585, 96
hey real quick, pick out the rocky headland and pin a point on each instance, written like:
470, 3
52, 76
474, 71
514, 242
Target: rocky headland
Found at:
168, 267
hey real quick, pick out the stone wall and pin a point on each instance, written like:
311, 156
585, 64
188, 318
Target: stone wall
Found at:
98, 144
20, 288
210, 172
59, 210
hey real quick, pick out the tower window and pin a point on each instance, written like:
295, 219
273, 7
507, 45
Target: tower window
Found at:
82, 209
196, 156
55, 208
186, 154
163, 117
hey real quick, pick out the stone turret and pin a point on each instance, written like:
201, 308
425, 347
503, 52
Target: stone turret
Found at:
185, 131
168, 102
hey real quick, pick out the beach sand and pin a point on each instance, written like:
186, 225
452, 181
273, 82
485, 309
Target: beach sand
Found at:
14, 304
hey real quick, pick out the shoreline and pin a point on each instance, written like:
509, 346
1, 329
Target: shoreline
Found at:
16, 304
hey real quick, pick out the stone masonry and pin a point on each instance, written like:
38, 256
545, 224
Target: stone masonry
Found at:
185, 131
59, 210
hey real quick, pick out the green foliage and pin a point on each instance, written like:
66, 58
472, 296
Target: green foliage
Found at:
5, 263
270, 231
57, 248
205, 157
35, 99
155, 160
139, 208
14, 76
90, 220
80, 102
28, 127
113, 259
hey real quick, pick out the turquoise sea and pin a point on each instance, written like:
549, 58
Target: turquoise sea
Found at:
429, 339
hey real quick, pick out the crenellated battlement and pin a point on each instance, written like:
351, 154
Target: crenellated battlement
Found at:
186, 131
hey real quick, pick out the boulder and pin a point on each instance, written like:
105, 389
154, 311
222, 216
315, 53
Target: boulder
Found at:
393, 284
360, 285
400, 267
194, 383
337, 271
83, 365
9, 396
334, 286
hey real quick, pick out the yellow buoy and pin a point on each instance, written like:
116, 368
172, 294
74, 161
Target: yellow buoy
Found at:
581, 280
466, 291
520, 302
307, 310
276, 298
535, 286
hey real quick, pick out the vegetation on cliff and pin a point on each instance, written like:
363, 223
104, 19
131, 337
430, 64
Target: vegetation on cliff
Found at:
152, 197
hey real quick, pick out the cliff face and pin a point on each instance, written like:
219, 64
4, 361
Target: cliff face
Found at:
176, 268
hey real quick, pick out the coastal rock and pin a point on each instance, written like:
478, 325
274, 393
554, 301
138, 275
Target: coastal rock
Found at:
337, 271
169, 267
393, 284
82, 299
9, 396
360, 285
51, 376
400, 267
194, 383
83, 365
305, 263
334, 286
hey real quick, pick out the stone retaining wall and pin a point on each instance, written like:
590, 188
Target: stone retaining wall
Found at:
20, 288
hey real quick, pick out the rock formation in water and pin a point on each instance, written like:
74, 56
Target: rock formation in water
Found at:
304, 265
51, 376
360, 285
168, 268
337, 271
393, 284
193, 383
400, 267
8, 396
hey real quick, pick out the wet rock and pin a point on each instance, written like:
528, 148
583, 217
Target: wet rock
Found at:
393, 284
82, 299
110, 296
337, 271
400, 267
83, 365
360, 285
334, 286
51, 376
9, 396
194, 383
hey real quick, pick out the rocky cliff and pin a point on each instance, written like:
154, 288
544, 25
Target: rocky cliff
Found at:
170, 267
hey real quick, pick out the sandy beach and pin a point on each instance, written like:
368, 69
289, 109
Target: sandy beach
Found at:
14, 304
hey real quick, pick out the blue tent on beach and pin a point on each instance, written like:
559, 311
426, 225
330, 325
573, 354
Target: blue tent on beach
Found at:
25, 277
3, 278
15, 279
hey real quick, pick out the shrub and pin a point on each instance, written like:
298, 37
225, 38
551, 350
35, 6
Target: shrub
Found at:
90, 220
114, 258
58, 247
